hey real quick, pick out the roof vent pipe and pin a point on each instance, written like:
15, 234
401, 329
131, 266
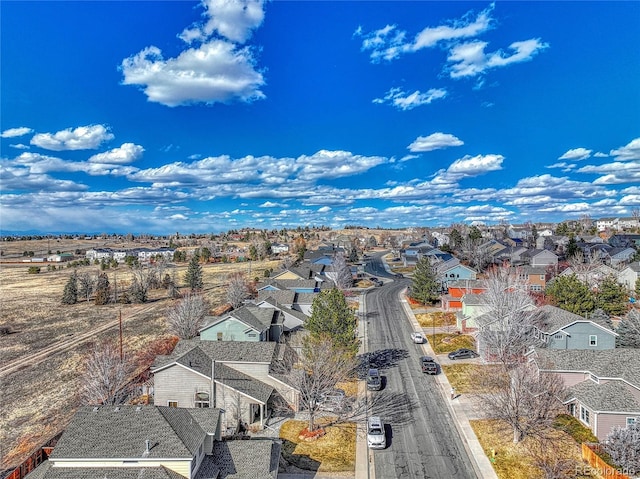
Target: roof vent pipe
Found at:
147, 443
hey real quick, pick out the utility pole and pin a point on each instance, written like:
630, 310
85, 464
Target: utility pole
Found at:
121, 355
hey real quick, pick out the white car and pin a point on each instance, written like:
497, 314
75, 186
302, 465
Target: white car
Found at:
417, 337
376, 437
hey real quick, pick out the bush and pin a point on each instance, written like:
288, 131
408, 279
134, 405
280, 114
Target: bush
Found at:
34, 270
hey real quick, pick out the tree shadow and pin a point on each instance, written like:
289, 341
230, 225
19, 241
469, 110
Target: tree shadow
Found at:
380, 359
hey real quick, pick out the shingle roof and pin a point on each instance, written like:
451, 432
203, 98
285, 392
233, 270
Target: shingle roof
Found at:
253, 459
219, 351
610, 396
46, 471
281, 296
609, 363
243, 383
259, 319
173, 432
551, 318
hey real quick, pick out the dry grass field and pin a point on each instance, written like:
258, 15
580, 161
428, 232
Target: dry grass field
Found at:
37, 401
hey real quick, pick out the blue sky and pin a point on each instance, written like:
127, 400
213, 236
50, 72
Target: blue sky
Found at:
157, 117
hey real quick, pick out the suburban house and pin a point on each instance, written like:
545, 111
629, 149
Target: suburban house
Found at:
291, 319
625, 240
449, 269
278, 248
244, 378
628, 276
297, 285
297, 301
247, 323
560, 329
305, 271
473, 306
603, 386
590, 275
540, 257
618, 256
151, 442
452, 299
535, 276
60, 258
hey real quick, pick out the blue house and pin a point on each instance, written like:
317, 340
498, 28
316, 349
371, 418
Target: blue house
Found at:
248, 323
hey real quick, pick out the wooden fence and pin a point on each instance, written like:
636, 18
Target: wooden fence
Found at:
597, 465
35, 459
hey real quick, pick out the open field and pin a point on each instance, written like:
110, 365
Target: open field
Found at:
36, 401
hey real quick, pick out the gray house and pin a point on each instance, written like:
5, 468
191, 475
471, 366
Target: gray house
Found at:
131, 442
603, 387
248, 323
560, 329
237, 376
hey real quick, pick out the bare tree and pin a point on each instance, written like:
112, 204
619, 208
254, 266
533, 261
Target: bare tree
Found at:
237, 289
585, 267
86, 285
505, 328
552, 458
342, 272
185, 318
106, 376
522, 397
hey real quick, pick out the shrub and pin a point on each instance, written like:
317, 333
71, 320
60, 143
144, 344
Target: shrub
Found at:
34, 270
574, 428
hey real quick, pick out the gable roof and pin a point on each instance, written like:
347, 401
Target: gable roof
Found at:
623, 363
257, 318
610, 396
242, 383
253, 459
550, 319
285, 309
47, 471
201, 353
173, 432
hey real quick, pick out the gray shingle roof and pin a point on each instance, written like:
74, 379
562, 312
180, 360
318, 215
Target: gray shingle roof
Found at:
259, 319
609, 363
45, 471
234, 379
253, 459
612, 396
220, 351
551, 318
173, 432
281, 296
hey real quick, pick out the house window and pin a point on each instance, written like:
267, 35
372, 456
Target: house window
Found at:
593, 340
584, 415
631, 420
594, 378
252, 335
220, 336
558, 336
572, 409
172, 403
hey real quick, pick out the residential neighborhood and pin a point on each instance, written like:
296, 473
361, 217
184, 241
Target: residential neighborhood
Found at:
216, 403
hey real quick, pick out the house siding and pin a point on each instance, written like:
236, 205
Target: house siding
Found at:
177, 383
261, 373
232, 330
607, 421
578, 338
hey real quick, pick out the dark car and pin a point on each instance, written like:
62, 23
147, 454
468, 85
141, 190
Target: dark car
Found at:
429, 365
462, 353
374, 380
399, 275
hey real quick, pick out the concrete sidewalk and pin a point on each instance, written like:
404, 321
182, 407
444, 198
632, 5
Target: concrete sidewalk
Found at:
460, 407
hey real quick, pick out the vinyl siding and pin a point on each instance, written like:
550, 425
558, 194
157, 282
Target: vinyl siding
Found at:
232, 330
579, 338
177, 383
607, 421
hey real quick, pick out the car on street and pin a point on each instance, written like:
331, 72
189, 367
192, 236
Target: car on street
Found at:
376, 438
399, 275
374, 380
428, 365
462, 353
417, 337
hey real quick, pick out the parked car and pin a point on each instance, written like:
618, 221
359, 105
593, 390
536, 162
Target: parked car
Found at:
399, 275
374, 380
376, 438
417, 337
462, 353
429, 365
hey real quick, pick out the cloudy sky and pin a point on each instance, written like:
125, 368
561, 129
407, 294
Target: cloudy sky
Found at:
157, 117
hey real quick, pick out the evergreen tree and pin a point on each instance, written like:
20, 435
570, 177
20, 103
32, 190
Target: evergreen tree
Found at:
629, 331
600, 317
103, 289
193, 276
455, 238
638, 288
70, 294
425, 288
571, 294
332, 317
572, 247
475, 234
353, 255
612, 297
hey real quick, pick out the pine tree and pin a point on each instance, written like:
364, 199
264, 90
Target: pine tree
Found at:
425, 287
332, 317
103, 289
612, 297
70, 294
629, 331
571, 294
193, 276
602, 318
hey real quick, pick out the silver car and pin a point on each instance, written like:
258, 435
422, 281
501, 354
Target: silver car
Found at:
376, 438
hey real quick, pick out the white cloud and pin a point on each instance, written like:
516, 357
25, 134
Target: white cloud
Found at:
15, 132
389, 43
178, 217
435, 141
271, 204
476, 165
599, 154
631, 151
217, 70
335, 164
576, 154
469, 59
232, 19
122, 155
324, 209
80, 138
408, 101
20, 146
